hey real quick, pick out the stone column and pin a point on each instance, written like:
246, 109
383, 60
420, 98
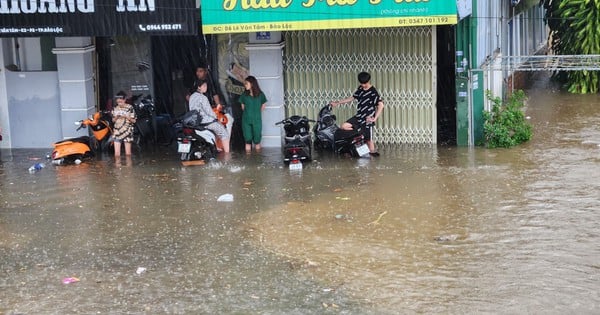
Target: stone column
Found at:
265, 52
75, 82
4, 121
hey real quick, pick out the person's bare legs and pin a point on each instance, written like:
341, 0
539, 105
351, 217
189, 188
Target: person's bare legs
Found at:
128, 148
117, 146
371, 146
257, 147
225, 143
248, 147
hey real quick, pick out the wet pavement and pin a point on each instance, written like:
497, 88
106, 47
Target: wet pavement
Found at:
421, 229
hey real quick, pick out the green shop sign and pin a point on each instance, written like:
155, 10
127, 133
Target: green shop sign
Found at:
240, 16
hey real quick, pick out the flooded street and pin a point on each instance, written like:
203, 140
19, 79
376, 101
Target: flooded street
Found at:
422, 229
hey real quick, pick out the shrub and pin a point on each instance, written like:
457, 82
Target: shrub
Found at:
505, 125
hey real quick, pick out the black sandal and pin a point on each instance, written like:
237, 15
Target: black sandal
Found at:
375, 154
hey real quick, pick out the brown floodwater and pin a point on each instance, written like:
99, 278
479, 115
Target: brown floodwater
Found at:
421, 229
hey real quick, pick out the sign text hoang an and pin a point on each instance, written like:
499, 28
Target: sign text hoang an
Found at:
71, 6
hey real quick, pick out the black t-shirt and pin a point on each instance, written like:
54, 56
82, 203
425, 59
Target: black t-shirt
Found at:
367, 103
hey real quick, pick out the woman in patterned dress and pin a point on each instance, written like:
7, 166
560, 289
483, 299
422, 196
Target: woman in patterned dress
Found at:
123, 116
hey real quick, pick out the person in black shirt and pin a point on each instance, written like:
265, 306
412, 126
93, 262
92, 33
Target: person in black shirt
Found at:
202, 76
370, 107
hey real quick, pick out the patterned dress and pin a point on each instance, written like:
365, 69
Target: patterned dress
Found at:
123, 128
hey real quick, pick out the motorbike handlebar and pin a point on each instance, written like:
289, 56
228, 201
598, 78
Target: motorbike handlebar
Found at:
288, 121
79, 123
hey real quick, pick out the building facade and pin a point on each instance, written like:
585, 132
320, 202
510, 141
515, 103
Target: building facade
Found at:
308, 54
432, 61
488, 34
60, 61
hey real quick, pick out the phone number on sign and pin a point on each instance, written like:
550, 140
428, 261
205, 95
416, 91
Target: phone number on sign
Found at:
423, 21
159, 27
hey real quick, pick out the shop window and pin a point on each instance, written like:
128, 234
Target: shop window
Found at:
30, 54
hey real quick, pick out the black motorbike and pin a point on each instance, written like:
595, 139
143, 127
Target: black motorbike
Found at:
144, 131
194, 141
297, 145
328, 136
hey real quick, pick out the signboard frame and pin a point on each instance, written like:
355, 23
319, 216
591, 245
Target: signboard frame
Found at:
232, 16
97, 17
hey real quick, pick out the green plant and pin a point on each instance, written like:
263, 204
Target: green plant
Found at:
574, 28
505, 125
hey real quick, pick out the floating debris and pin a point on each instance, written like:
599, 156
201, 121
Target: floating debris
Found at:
376, 222
69, 280
446, 238
225, 198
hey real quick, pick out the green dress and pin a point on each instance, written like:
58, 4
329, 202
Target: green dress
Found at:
251, 117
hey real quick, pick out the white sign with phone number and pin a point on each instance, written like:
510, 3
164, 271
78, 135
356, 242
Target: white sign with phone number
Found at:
159, 27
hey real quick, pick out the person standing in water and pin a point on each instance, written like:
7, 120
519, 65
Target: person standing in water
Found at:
370, 107
253, 102
124, 118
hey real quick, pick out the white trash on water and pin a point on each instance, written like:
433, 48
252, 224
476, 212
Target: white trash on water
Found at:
36, 167
225, 198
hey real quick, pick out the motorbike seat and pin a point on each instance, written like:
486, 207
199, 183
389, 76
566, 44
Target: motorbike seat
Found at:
82, 139
343, 135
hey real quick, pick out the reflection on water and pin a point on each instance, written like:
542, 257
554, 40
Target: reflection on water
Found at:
422, 229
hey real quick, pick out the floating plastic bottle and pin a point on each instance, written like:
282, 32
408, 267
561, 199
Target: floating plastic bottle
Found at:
36, 167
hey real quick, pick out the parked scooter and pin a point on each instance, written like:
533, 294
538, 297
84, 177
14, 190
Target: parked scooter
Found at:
100, 131
328, 136
297, 146
325, 128
194, 141
70, 151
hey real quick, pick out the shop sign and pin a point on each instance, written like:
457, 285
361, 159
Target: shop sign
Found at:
22, 18
238, 16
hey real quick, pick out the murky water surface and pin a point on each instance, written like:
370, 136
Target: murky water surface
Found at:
419, 230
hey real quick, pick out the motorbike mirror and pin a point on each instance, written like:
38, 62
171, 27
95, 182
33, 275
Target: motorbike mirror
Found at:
78, 123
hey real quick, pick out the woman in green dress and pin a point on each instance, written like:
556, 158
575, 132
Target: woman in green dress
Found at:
253, 102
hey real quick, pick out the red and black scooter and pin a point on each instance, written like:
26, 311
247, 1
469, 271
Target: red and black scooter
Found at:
297, 145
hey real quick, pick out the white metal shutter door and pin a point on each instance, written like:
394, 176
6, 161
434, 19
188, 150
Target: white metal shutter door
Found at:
321, 66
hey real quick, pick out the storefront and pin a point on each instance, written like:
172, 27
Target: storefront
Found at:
307, 53
62, 60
